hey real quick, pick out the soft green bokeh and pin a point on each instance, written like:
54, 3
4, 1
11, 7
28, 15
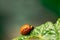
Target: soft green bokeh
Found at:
53, 5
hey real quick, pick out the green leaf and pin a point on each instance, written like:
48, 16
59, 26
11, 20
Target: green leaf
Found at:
47, 31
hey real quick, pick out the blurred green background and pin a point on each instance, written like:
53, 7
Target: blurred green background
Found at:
15, 13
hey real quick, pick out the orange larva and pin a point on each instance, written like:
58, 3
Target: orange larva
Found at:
25, 29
